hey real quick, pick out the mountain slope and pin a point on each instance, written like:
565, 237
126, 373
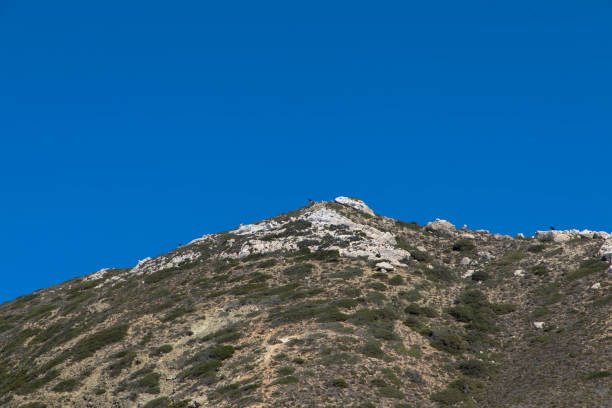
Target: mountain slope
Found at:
329, 305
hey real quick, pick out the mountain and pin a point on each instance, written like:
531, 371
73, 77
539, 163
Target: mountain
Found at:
330, 305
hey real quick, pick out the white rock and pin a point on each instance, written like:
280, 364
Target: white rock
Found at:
538, 325
465, 260
552, 236
486, 255
519, 272
467, 236
484, 231
609, 269
586, 234
385, 266
468, 274
253, 228
601, 234
354, 203
596, 286
520, 235
440, 226
605, 251
464, 227
421, 248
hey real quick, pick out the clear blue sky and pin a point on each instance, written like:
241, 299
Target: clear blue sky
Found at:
128, 127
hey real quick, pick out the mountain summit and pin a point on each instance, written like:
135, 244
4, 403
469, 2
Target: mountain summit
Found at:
329, 305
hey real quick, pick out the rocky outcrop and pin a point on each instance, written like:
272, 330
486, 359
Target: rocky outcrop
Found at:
566, 235
606, 250
442, 226
354, 203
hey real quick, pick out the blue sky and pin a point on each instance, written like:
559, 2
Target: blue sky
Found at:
127, 128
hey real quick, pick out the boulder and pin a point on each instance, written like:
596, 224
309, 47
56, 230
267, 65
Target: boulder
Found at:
552, 236
440, 226
384, 266
538, 325
519, 272
520, 235
468, 274
355, 203
596, 286
465, 260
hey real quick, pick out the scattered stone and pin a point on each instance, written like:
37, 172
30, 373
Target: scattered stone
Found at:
468, 236
464, 227
384, 266
538, 325
486, 255
354, 203
606, 250
421, 248
520, 235
519, 272
440, 226
468, 273
465, 260
596, 286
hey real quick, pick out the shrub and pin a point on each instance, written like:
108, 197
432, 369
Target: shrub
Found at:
587, 268
226, 335
449, 396
540, 270
298, 271
464, 245
161, 402
287, 380
89, 345
536, 248
338, 383
284, 371
480, 276
372, 349
547, 294
204, 364
439, 273
450, 342
407, 225
125, 359
396, 280
67, 385
417, 310
348, 273
411, 296
379, 286
473, 368
33, 405
375, 297
599, 374
390, 392
158, 351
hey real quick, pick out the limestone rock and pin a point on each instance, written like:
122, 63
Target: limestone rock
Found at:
552, 236
384, 266
440, 226
538, 325
465, 260
519, 273
468, 274
596, 286
354, 203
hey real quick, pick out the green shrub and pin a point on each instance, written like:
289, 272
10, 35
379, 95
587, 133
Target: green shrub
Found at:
449, 396
390, 392
125, 359
417, 310
287, 380
396, 280
347, 274
439, 273
372, 349
226, 335
375, 297
284, 371
452, 343
599, 374
588, 267
547, 294
338, 383
379, 286
408, 225
473, 368
480, 276
411, 296
158, 351
67, 385
89, 345
33, 405
540, 270
464, 245
204, 364
161, 402
298, 271
415, 351
536, 248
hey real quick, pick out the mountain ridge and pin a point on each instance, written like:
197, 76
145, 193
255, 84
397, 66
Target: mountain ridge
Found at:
318, 307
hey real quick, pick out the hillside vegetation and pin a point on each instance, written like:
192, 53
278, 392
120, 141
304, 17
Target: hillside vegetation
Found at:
330, 305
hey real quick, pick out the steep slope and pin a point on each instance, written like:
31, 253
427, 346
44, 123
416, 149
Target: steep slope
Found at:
329, 305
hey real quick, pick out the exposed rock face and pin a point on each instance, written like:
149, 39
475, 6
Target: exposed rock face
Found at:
606, 250
566, 235
354, 203
440, 226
